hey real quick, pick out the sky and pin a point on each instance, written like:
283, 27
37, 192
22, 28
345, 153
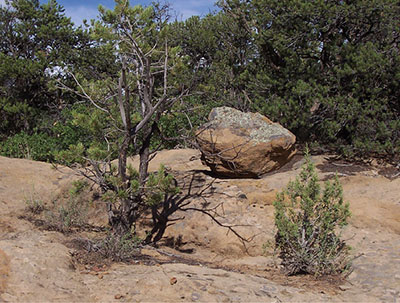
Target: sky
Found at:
87, 9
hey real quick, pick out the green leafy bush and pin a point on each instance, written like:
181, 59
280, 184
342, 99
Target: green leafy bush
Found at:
308, 221
37, 147
78, 186
44, 144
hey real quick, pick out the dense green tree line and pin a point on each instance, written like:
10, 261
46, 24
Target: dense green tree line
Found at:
327, 70
37, 43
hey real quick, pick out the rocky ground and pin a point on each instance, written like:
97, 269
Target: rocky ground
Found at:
199, 260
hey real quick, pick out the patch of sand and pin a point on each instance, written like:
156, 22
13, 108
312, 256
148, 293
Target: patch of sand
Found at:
4, 270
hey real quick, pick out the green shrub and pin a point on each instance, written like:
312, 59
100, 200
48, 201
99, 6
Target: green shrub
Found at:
308, 221
78, 186
37, 147
120, 248
72, 213
41, 146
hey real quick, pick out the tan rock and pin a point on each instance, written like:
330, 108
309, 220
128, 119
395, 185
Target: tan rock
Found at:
38, 264
238, 144
118, 296
4, 270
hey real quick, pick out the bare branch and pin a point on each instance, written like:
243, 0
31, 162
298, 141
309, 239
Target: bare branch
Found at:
165, 68
87, 96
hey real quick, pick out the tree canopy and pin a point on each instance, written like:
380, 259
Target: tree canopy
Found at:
327, 70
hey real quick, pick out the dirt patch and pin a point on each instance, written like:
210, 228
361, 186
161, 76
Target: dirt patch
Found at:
6, 227
346, 168
4, 270
390, 172
92, 263
342, 168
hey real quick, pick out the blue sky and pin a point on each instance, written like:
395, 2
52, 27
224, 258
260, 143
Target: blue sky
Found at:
81, 9
87, 9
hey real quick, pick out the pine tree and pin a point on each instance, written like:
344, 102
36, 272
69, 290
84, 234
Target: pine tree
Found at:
308, 220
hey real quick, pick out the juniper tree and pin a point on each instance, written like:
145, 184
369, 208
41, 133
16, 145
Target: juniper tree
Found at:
327, 70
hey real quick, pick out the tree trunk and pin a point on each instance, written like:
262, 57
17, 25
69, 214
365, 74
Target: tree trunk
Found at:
122, 158
144, 154
121, 221
159, 226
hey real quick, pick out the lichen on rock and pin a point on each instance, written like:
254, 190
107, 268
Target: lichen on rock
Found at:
240, 144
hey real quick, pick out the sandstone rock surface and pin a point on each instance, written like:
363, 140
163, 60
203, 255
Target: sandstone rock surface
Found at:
237, 144
35, 263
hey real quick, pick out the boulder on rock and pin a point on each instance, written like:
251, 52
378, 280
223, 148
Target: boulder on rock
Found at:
237, 144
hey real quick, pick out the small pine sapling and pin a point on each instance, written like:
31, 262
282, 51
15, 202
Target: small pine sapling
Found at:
308, 221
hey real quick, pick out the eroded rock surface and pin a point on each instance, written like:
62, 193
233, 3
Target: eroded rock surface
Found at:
36, 265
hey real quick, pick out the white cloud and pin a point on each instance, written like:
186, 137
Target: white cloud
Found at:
188, 8
184, 14
181, 9
78, 13
195, 3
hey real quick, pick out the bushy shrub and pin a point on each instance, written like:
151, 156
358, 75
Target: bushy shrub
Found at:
33, 203
42, 145
308, 221
119, 248
37, 146
78, 186
73, 213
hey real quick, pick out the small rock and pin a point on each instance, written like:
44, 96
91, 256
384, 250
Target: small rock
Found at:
118, 296
269, 288
375, 163
242, 196
173, 280
212, 292
344, 287
195, 296
352, 276
100, 276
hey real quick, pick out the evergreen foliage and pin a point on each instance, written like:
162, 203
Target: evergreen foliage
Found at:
328, 71
38, 40
126, 114
308, 221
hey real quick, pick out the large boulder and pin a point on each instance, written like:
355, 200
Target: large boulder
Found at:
237, 144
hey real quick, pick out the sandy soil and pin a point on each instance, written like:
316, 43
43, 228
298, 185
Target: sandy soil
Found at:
209, 263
